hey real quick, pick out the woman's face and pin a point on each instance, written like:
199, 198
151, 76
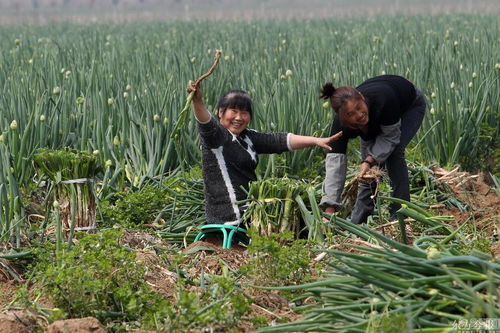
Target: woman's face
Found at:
234, 120
354, 114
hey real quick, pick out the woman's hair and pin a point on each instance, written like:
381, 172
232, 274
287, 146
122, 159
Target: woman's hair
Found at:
339, 96
235, 99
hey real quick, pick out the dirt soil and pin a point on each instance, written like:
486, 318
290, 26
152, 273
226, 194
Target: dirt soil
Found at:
18, 321
77, 325
482, 216
208, 257
477, 192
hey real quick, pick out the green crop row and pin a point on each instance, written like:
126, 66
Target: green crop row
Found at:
116, 90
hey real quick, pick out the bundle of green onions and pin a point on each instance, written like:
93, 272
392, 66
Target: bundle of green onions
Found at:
427, 287
71, 173
273, 207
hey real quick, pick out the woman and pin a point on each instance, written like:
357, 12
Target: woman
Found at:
385, 111
230, 149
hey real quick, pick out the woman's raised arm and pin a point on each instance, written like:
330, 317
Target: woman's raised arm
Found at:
200, 111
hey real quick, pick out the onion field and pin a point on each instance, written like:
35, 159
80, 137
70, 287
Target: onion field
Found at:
109, 96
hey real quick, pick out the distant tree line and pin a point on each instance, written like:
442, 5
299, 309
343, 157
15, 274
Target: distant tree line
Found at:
39, 4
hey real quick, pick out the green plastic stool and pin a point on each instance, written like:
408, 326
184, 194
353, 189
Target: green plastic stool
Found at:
239, 233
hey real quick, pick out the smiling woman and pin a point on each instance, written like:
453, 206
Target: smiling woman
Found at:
235, 111
235, 120
386, 112
230, 152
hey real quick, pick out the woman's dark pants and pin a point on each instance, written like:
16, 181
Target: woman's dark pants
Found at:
395, 165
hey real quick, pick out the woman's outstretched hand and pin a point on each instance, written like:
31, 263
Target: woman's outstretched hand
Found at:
323, 142
299, 141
